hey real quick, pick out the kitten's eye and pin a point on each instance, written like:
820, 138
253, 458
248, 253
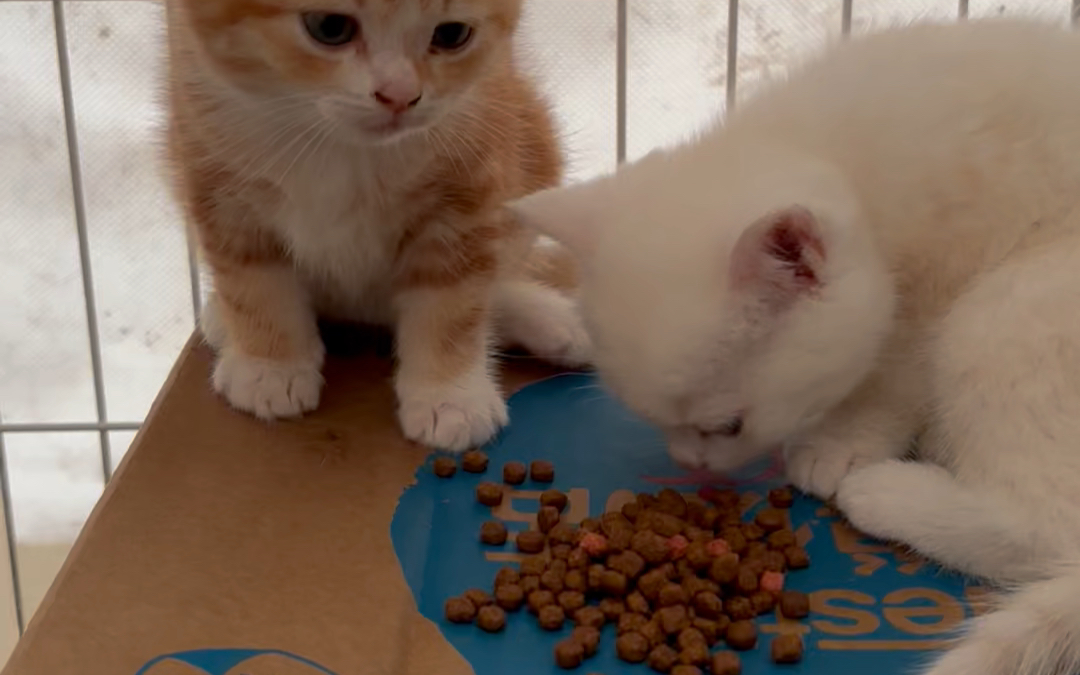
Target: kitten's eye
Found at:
333, 30
731, 428
451, 36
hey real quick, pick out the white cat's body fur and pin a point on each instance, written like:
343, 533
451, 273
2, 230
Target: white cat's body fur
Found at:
885, 247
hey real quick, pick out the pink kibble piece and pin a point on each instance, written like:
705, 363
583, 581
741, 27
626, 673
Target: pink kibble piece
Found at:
678, 545
594, 544
717, 548
772, 582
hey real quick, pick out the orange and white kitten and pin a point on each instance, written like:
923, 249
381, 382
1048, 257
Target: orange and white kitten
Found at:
350, 159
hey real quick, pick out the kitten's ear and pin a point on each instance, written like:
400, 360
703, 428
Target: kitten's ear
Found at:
781, 255
570, 215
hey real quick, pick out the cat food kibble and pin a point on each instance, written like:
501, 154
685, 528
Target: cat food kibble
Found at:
445, 467
547, 518
459, 610
491, 618
551, 617
794, 604
555, 499
493, 533
474, 461
510, 597
569, 654
632, 647
742, 635
542, 472
786, 649
530, 541
726, 663
677, 576
489, 494
514, 473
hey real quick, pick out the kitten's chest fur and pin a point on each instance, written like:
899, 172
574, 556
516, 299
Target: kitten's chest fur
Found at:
342, 220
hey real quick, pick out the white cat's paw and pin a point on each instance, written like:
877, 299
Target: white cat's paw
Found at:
268, 389
879, 499
452, 417
546, 323
818, 468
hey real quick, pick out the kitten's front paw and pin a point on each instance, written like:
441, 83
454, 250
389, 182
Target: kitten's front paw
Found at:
452, 416
268, 389
546, 323
883, 499
817, 468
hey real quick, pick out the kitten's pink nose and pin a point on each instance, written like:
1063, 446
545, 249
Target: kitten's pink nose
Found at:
397, 100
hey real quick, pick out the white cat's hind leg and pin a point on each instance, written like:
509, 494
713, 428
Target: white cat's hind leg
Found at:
544, 321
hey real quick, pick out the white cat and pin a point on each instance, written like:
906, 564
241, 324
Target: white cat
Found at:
884, 247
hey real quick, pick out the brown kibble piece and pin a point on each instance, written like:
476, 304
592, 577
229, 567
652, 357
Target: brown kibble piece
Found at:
489, 494
726, 663
735, 539
591, 525
725, 569
673, 619
571, 601
588, 637
590, 616
653, 632
782, 498
794, 604
651, 583
613, 608
613, 583
460, 610
553, 581
575, 581
695, 654
739, 608
708, 605
491, 619
542, 472
569, 654
636, 602
547, 518
774, 561
709, 628
537, 600
493, 533
752, 531
671, 594
786, 649
507, 575
742, 635
684, 669
478, 597
782, 540
763, 602
652, 547
531, 541
631, 623
530, 583
690, 637
551, 617
510, 597
662, 659
770, 519
797, 558
756, 550
474, 461
747, 581
632, 647
697, 555
514, 473
562, 552
564, 533
595, 576
578, 559
664, 524
630, 511
672, 502
445, 467
533, 564
628, 562
554, 498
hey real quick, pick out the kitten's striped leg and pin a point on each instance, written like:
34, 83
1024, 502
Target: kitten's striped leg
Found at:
447, 394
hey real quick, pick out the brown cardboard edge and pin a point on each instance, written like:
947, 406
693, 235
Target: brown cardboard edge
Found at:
30, 632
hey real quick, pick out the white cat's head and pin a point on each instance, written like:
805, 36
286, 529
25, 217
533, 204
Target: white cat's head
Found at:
732, 294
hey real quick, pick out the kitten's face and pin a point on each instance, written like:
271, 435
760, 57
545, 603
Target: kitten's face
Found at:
368, 70
720, 312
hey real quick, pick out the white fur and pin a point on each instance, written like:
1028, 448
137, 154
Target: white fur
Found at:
941, 169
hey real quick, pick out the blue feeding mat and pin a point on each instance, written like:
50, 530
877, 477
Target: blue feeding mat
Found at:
233, 662
872, 606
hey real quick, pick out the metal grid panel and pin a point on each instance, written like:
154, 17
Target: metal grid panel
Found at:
806, 25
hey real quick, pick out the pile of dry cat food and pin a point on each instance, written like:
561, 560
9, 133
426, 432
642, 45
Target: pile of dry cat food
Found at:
675, 577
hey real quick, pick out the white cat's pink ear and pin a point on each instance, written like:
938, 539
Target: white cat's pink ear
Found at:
569, 215
781, 255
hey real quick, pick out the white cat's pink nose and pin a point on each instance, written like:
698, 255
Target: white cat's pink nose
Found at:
397, 101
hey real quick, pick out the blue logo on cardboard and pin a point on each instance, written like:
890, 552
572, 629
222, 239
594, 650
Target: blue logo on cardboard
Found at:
872, 605
232, 662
